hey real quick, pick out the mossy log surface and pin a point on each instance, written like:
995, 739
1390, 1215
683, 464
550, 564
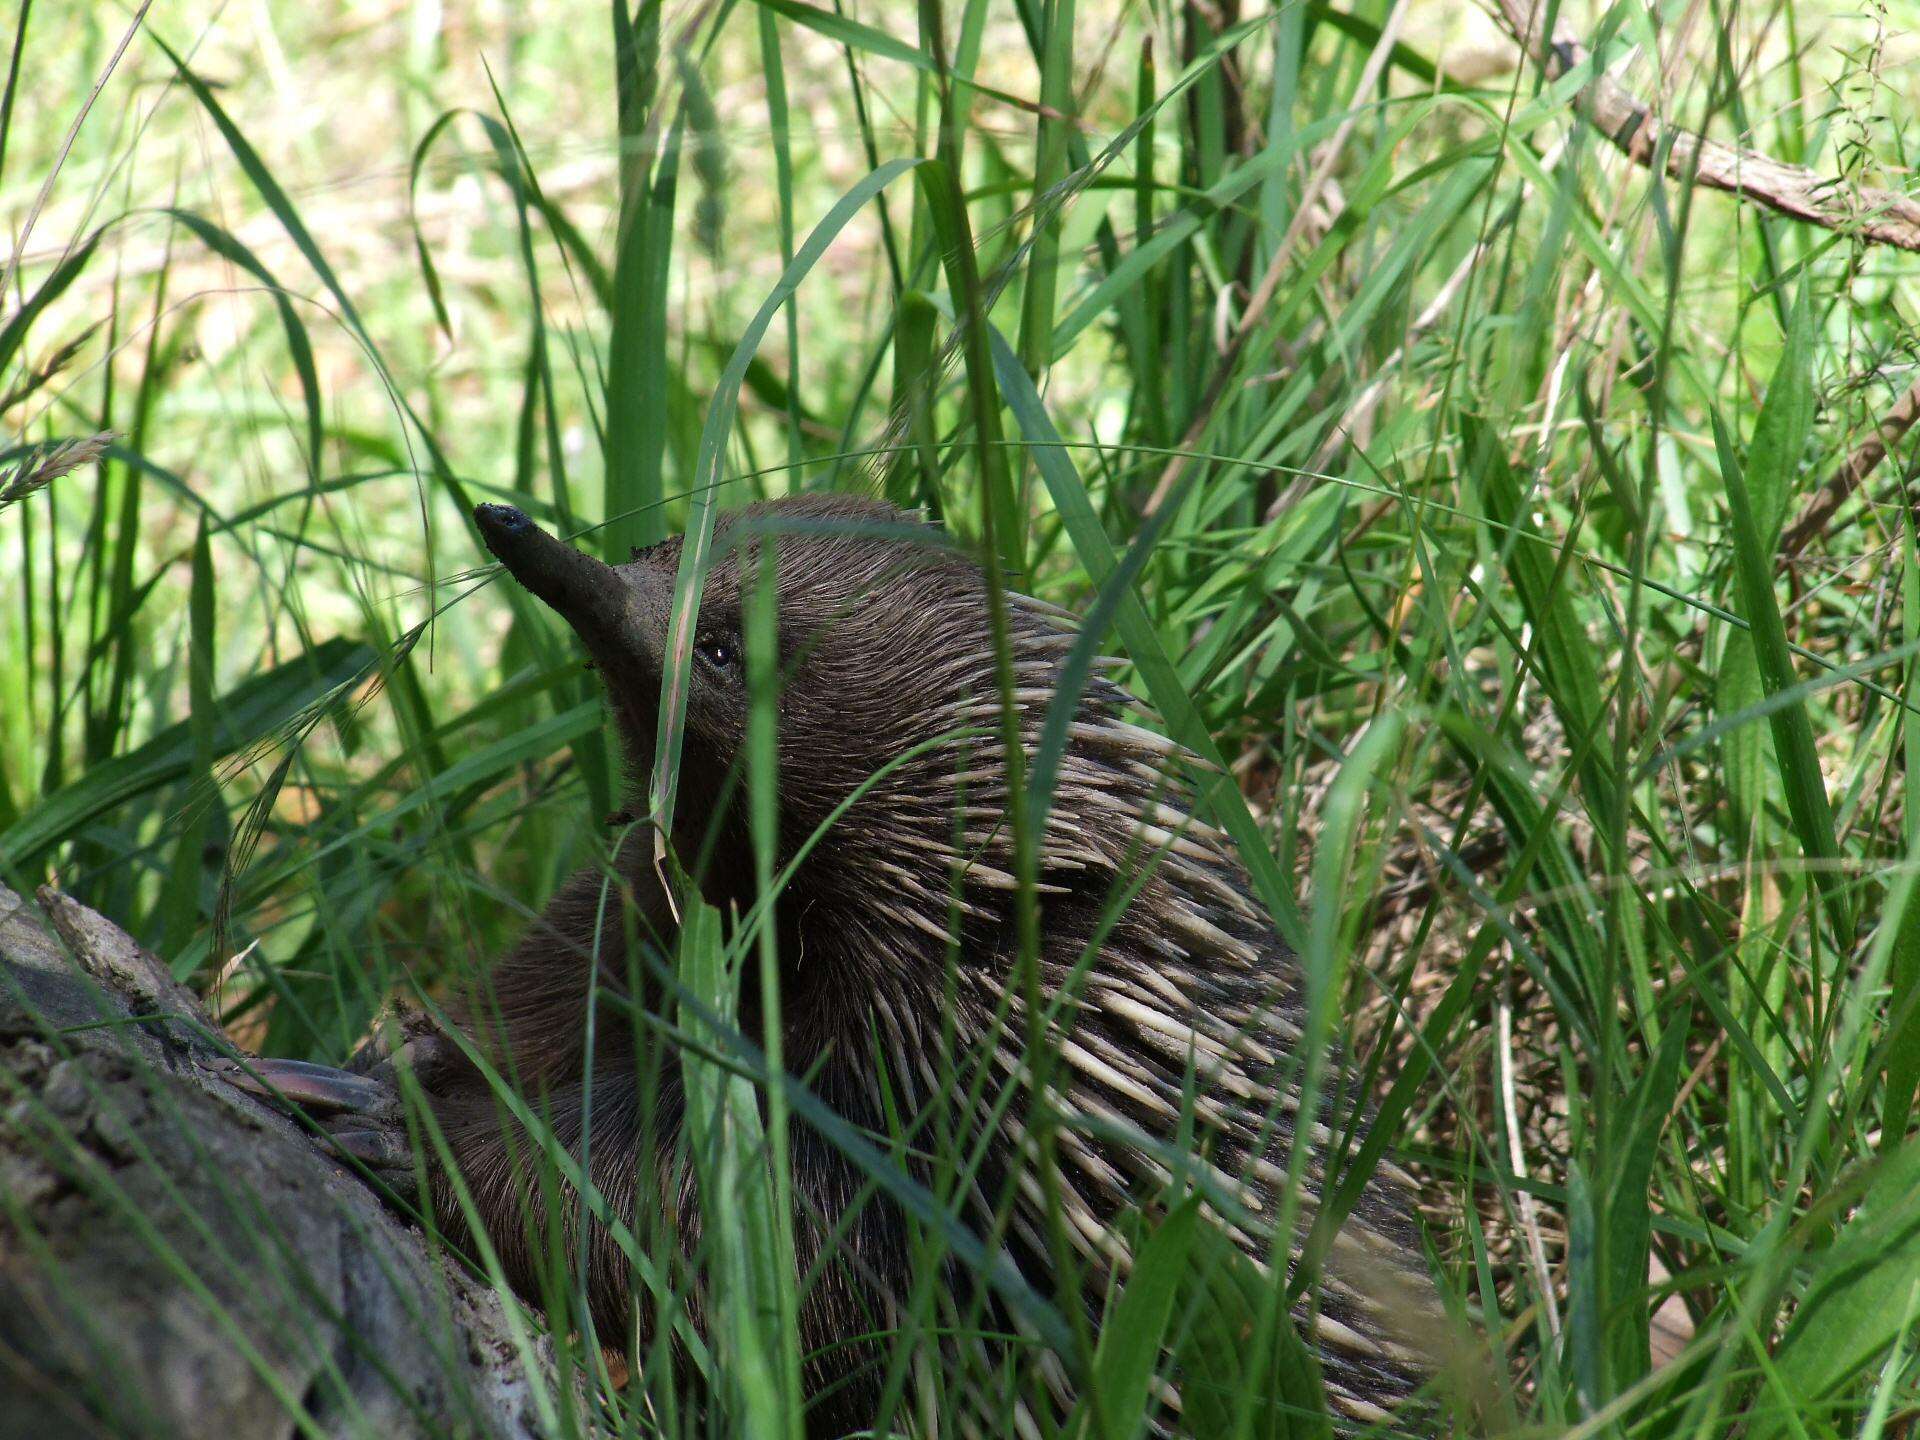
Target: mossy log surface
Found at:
177, 1259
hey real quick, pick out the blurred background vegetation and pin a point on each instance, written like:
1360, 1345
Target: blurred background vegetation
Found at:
1456, 419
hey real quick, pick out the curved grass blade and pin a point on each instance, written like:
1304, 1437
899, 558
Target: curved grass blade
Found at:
1216, 792
695, 551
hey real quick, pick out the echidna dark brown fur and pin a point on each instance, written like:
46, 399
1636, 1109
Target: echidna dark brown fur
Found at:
897, 938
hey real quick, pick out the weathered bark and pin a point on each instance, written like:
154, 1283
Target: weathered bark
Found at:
176, 1259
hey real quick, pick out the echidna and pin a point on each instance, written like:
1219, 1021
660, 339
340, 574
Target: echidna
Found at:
897, 938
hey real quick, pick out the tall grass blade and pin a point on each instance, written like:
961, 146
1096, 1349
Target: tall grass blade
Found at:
1793, 744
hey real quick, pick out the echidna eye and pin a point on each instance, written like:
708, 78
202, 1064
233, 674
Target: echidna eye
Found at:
718, 651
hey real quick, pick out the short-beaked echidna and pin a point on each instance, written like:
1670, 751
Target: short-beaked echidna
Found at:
900, 955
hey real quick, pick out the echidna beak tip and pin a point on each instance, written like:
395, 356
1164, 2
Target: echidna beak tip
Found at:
501, 520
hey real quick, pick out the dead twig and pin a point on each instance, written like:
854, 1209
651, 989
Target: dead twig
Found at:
1851, 475
1884, 217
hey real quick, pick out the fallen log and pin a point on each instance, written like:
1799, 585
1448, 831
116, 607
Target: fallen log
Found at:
178, 1259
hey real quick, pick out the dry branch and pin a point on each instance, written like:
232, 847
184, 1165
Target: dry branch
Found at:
178, 1260
1851, 474
1884, 217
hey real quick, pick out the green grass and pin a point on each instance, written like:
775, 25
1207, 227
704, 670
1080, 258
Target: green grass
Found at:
1426, 460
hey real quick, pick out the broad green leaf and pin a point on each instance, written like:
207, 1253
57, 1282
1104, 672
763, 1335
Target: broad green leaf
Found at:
1860, 1293
1128, 1354
1626, 1208
1792, 729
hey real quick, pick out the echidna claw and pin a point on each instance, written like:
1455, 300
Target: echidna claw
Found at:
376, 1149
319, 1089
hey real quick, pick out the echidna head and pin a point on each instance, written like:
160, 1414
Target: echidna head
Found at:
884, 648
